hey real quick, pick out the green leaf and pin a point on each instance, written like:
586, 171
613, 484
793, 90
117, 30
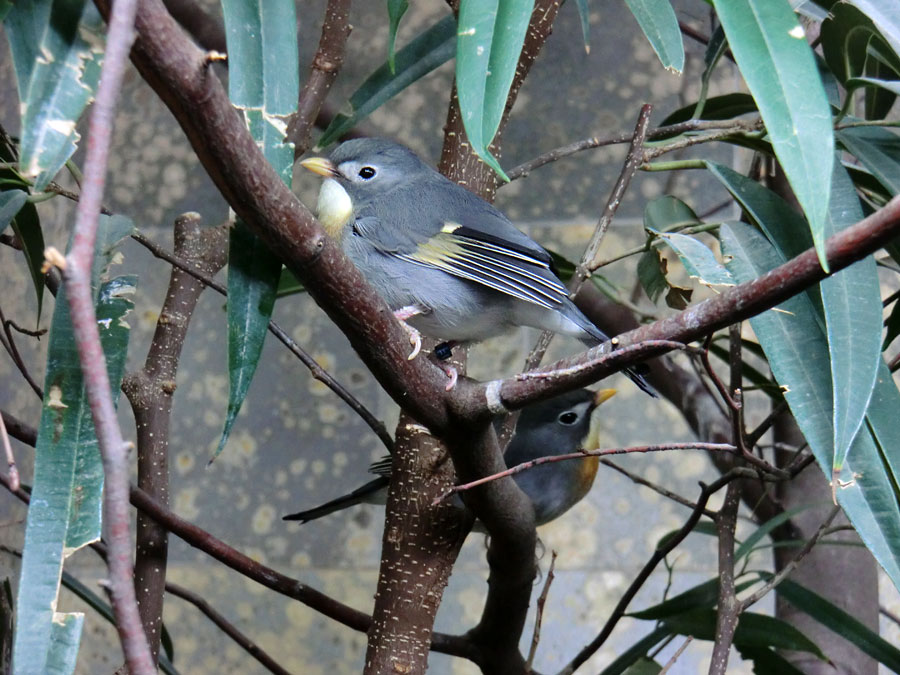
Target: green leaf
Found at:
892, 325
7, 625
660, 25
11, 202
27, 226
489, 40
852, 304
253, 274
888, 85
62, 82
766, 661
636, 652
25, 24
431, 49
844, 624
288, 284
643, 666
753, 630
396, 10
797, 349
747, 546
668, 213
652, 274
263, 81
886, 16
584, 14
851, 41
702, 595
64, 514
699, 261
776, 62
723, 107
879, 151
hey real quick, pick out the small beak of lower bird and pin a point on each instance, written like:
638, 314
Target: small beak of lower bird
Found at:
320, 166
603, 395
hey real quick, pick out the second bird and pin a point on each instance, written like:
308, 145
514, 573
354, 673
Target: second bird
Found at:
445, 261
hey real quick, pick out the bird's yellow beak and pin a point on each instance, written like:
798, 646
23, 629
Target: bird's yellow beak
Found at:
603, 395
320, 166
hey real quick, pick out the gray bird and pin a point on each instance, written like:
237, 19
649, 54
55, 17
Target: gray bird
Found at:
448, 264
554, 427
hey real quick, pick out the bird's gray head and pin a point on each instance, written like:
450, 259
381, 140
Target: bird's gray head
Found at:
359, 170
557, 425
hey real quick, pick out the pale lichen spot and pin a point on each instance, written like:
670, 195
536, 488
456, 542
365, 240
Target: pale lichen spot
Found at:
797, 32
64, 127
55, 398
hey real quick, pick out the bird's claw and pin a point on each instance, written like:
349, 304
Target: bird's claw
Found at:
415, 339
451, 373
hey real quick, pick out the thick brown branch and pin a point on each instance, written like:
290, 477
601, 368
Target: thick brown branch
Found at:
322, 73
736, 304
150, 392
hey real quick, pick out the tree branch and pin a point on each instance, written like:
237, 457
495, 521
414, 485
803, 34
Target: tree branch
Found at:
322, 73
77, 275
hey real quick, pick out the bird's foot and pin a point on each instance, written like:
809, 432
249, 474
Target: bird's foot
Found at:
415, 337
451, 373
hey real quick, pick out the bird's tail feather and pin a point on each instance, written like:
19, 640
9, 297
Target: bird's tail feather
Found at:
362, 495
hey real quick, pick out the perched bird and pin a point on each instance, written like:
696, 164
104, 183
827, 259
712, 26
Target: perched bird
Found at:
554, 427
448, 264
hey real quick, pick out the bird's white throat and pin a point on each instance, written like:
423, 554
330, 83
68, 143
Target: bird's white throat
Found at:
334, 207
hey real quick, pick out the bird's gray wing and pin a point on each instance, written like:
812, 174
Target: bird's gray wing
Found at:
469, 253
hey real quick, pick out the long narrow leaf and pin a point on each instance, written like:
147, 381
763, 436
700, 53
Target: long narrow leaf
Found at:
852, 304
797, 350
885, 15
660, 25
878, 150
489, 40
264, 83
68, 482
63, 81
770, 48
431, 49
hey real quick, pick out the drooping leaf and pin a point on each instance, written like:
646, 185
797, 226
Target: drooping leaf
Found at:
62, 82
489, 40
396, 10
11, 202
851, 41
852, 304
431, 49
651, 271
885, 15
767, 661
643, 666
724, 107
263, 82
753, 630
636, 652
68, 482
584, 15
846, 625
879, 151
27, 226
701, 595
797, 350
770, 48
660, 25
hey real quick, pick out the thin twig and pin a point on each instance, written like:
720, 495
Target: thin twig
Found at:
12, 471
633, 159
539, 614
785, 571
525, 168
884, 611
9, 344
659, 554
668, 494
244, 642
678, 652
583, 454
77, 275
317, 372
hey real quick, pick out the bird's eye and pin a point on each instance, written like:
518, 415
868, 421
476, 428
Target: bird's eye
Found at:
567, 418
366, 173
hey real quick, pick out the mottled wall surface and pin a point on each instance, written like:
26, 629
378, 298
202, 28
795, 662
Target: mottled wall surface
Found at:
295, 445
